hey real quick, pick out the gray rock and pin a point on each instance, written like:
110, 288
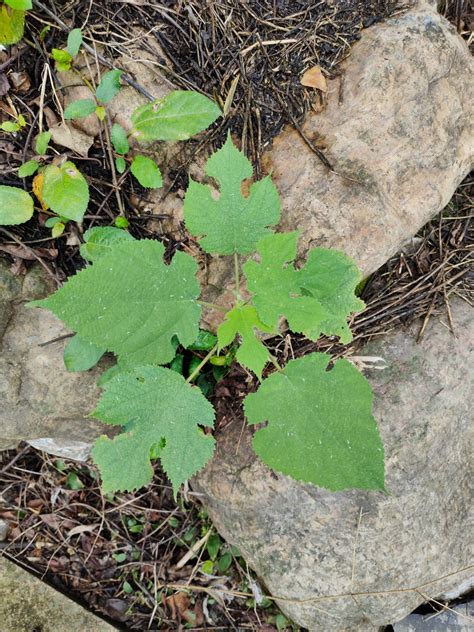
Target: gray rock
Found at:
28, 604
40, 399
457, 619
398, 129
307, 544
4, 530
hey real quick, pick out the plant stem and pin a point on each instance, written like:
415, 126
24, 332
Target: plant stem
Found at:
219, 308
237, 275
202, 363
274, 361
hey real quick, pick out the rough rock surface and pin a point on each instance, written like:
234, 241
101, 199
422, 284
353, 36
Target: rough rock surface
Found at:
40, 399
457, 619
398, 130
27, 605
306, 543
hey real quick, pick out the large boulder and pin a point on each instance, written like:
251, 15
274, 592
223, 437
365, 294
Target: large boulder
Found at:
357, 560
28, 604
40, 399
398, 129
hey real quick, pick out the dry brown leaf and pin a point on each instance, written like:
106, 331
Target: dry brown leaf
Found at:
72, 138
314, 78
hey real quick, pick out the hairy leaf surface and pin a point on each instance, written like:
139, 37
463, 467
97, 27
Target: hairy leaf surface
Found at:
101, 239
233, 223
312, 306
177, 116
320, 425
79, 109
243, 320
155, 405
81, 355
131, 303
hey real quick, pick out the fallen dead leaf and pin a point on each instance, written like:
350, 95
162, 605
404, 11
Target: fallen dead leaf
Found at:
20, 81
4, 85
314, 78
22, 252
72, 138
82, 528
180, 607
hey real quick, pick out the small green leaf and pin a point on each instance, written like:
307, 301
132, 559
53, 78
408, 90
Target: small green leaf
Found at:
120, 164
213, 545
21, 120
42, 142
134, 315
146, 172
281, 622
109, 86
243, 320
178, 116
119, 557
101, 112
208, 567
204, 342
320, 425
9, 126
127, 588
16, 206
177, 364
28, 168
224, 562
74, 482
135, 400
119, 139
12, 25
80, 109
58, 229
52, 221
121, 222
62, 58
81, 355
66, 191
100, 240
233, 223
21, 5
74, 41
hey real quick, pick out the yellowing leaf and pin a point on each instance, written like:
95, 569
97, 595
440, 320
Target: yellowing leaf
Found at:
12, 25
38, 182
66, 191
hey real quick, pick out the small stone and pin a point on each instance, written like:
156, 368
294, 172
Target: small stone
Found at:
4, 530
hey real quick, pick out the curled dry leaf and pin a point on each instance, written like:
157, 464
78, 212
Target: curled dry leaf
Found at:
68, 136
314, 78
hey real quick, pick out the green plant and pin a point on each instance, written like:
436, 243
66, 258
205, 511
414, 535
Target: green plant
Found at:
131, 303
12, 20
64, 57
60, 186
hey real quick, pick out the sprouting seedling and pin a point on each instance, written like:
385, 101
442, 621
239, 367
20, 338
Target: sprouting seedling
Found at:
64, 57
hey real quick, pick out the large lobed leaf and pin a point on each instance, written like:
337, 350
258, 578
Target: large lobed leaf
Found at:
131, 303
155, 405
320, 425
315, 300
233, 223
177, 116
243, 320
